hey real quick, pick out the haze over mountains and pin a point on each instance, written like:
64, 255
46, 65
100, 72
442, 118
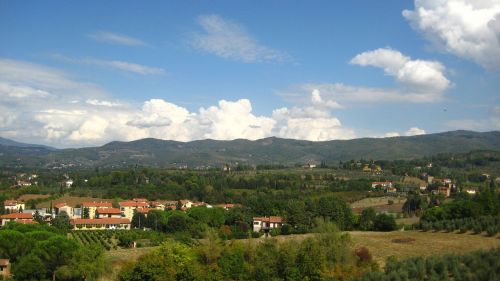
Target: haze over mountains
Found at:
166, 153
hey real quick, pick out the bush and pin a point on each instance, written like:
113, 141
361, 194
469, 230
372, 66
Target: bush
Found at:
491, 231
286, 229
256, 234
275, 232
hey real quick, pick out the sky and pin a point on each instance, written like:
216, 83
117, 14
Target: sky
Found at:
75, 74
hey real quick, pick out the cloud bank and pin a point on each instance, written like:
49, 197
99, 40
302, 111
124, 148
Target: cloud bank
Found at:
42, 104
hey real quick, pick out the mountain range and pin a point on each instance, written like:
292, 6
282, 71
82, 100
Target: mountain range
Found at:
215, 153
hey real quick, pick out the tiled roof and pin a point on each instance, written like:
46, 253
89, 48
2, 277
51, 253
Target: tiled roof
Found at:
18, 216
133, 204
97, 204
60, 205
10, 202
100, 221
143, 210
269, 219
108, 211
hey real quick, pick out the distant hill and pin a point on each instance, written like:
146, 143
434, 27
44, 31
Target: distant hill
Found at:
165, 153
8, 142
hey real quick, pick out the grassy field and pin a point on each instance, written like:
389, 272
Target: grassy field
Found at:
71, 201
26, 197
117, 258
380, 204
404, 244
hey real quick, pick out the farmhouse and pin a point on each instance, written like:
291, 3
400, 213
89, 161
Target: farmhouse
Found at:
63, 207
266, 223
92, 207
4, 268
105, 223
17, 217
13, 206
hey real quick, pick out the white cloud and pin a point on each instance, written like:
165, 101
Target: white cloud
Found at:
468, 29
230, 40
419, 76
418, 81
83, 118
391, 135
115, 64
115, 38
414, 131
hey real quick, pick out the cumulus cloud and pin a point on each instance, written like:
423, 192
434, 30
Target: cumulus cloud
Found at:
414, 131
230, 40
419, 76
468, 29
115, 38
56, 110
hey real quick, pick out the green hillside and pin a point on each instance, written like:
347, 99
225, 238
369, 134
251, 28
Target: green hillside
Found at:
164, 153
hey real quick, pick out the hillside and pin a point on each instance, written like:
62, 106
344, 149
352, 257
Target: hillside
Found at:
165, 153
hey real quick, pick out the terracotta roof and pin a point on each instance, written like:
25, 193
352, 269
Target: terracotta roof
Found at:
133, 204
97, 204
269, 219
143, 210
60, 205
10, 202
100, 221
108, 211
4, 262
18, 216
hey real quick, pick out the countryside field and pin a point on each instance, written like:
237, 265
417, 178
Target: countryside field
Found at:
401, 244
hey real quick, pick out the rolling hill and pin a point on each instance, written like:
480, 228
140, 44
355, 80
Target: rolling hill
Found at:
166, 153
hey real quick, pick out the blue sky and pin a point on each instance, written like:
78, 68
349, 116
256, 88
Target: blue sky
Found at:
78, 74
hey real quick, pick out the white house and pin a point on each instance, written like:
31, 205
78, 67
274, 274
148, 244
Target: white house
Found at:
266, 223
13, 206
383, 184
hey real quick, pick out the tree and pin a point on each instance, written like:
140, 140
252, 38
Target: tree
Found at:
384, 222
61, 221
38, 218
55, 252
85, 213
29, 268
367, 219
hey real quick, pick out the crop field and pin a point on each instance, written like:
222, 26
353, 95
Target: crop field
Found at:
380, 204
105, 238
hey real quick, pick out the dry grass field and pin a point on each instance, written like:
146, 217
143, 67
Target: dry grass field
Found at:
117, 258
71, 201
404, 244
26, 197
380, 204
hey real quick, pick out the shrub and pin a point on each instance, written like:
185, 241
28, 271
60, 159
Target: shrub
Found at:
275, 232
491, 231
256, 234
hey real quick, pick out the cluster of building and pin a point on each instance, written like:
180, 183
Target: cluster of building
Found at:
387, 186
98, 215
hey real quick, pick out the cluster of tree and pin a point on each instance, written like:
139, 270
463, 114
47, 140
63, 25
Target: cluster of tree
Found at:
481, 265
41, 252
485, 203
326, 256
371, 221
478, 225
237, 222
